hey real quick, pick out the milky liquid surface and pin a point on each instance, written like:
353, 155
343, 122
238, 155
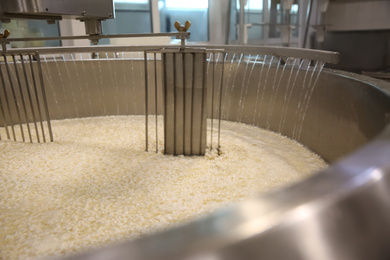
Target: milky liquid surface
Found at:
96, 185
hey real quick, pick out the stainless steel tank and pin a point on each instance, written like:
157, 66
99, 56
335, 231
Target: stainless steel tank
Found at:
340, 213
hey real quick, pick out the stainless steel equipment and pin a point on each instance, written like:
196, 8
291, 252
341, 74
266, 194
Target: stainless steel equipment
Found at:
184, 87
185, 100
340, 213
26, 96
185, 97
92, 12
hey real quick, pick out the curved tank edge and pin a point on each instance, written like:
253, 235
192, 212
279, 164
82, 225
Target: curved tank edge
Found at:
377, 83
336, 211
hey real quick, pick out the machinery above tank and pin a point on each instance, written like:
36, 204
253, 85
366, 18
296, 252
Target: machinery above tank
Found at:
92, 12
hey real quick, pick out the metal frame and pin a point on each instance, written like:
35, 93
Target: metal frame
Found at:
318, 55
34, 87
182, 138
92, 38
281, 52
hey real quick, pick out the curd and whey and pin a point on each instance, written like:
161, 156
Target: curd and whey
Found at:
96, 185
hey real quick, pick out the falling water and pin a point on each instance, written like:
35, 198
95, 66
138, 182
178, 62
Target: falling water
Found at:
62, 84
309, 93
102, 87
248, 82
113, 81
242, 89
227, 81
258, 89
89, 100
288, 93
47, 75
78, 79
72, 92
101, 94
208, 63
265, 84
274, 93
234, 80
125, 82
220, 97
300, 101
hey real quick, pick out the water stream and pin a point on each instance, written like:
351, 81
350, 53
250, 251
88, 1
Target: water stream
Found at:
99, 87
113, 82
258, 89
86, 86
125, 81
49, 83
288, 94
227, 82
275, 80
242, 88
275, 91
75, 103
318, 66
247, 87
80, 86
234, 81
265, 86
64, 94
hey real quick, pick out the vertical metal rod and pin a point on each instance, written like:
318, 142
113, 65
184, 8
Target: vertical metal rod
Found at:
307, 25
14, 97
146, 99
204, 83
30, 99
192, 100
36, 97
212, 104
174, 104
3, 112
241, 38
3, 119
220, 104
44, 98
184, 100
155, 98
164, 59
22, 96
229, 13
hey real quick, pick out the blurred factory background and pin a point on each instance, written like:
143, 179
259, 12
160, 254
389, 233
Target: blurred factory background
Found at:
358, 29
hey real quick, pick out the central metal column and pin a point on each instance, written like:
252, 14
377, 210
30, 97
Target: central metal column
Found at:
185, 94
184, 90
